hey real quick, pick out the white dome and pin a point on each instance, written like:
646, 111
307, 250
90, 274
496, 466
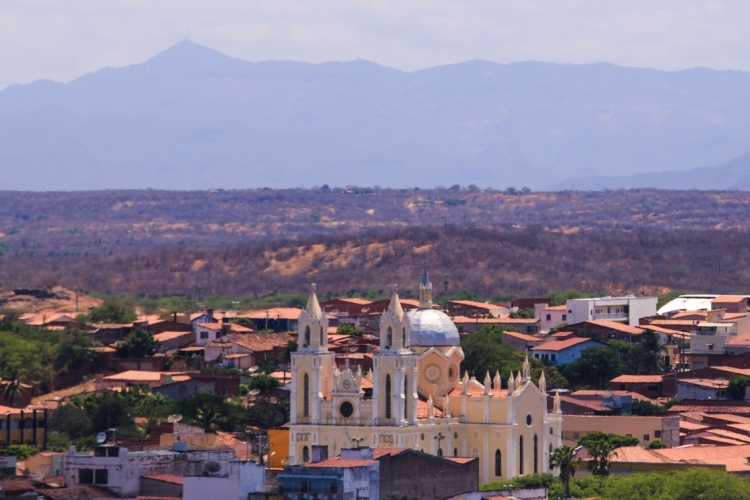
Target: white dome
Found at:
431, 328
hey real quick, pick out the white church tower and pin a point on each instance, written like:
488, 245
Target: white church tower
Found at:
312, 365
394, 370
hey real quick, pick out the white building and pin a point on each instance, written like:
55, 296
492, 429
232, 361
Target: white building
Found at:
117, 470
240, 478
626, 310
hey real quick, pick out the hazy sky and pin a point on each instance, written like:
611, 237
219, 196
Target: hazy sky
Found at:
63, 39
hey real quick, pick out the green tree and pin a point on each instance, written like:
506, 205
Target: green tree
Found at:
20, 451
349, 329
246, 322
265, 383
12, 388
617, 440
657, 444
597, 365
523, 314
138, 344
112, 312
600, 455
647, 409
691, 484
71, 421
565, 459
206, 416
737, 386
74, 350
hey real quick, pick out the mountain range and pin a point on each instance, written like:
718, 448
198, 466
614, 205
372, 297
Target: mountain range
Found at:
192, 118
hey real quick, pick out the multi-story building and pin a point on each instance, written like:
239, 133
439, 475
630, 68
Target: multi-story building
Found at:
626, 310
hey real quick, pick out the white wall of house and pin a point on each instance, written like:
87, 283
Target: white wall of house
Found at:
243, 477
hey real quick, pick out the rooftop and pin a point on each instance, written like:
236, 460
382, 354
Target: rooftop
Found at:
637, 379
560, 345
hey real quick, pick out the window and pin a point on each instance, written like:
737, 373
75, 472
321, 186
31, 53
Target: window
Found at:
576, 436
346, 409
305, 454
622, 387
710, 347
389, 338
554, 357
657, 434
101, 476
86, 476
565, 317
455, 452
653, 388
498, 463
549, 317
646, 437
528, 419
520, 456
403, 337
322, 343
306, 342
204, 335
387, 396
306, 396
536, 454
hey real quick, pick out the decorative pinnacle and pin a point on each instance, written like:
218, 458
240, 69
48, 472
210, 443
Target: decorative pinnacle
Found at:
312, 287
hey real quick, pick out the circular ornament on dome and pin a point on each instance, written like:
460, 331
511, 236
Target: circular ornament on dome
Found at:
432, 373
346, 409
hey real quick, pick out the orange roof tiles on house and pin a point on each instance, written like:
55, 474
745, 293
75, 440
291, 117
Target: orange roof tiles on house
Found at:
260, 342
164, 336
709, 409
730, 435
744, 428
704, 382
637, 379
562, 307
729, 298
614, 325
559, 345
522, 336
665, 331
728, 417
590, 392
733, 457
714, 439
494, 321
636, 454
352, 300
422, 410
478, 305
692, 427
274, 313
460, 460
166, 478
142, 376
232, 326
741, 340
563, 335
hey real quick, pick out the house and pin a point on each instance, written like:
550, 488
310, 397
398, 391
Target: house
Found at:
628, 310
473, 308
161, 486
562, 352
223, 384
119, 470
520, 341
470, 325
23, 426
346, 306
173, 340
702, 389
206, 333
278, 319
550, 316
730, 303
528, 303
636, 459
646, 429
258, 346
109, 333
238, 481
132, 378
605, 330
381, 473
651, 386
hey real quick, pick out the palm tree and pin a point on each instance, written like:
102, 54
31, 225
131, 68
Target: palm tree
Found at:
650, 348
12, 387
600, 454
206, 415
566, 460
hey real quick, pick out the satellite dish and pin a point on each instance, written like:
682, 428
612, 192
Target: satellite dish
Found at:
211, 468
253, 369
101, 438
39, 473
254, 392
174, 418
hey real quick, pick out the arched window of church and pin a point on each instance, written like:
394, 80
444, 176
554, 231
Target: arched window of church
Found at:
387, 396
403, 337
455, 452
440, 452
475, 452
520, 456
498, 463
306, 343
305, 454
389, 338
306, 396
550, 455
536, 454
406, 397
321, 336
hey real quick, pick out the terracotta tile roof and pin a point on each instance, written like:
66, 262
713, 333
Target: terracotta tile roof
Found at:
80, 492
666, 331
164, 336
637, 454
166, 478
637, 379
731, 435
692, 427
742, 340
277, 312
563, 335
422, 410
218, 326
260, 342
614, 325
586, 403
740, 427
713, 439
728, 417
461, 460
192, 348
673, 322
379, 452
704, 382
556, 308
494, 321
560, 345
709, 409
729, 298
351, 300
733, 457
522, 336
634, 395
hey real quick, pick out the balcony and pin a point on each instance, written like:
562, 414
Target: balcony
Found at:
612, 316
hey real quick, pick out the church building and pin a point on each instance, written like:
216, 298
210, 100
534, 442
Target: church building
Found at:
415, 397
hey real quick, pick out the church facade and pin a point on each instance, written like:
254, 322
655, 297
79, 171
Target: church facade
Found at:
415, 397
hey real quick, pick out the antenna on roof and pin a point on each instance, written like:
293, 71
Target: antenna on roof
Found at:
101, 438
254, 392
173, 419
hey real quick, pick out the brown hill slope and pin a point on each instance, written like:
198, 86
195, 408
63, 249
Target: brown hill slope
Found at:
504, 259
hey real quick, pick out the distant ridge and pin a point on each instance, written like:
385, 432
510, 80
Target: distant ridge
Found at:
193, 118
